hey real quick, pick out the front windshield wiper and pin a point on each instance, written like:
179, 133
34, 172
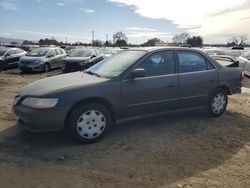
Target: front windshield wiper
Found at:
92, 73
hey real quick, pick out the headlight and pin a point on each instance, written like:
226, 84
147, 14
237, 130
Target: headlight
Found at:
83, 63
37, 62
40, 103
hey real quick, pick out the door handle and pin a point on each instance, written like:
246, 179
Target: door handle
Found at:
211, 81
170, 85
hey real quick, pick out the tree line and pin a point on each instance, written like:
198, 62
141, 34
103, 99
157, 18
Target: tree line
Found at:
121, 40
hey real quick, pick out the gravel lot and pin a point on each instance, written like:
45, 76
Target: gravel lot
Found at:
184, 149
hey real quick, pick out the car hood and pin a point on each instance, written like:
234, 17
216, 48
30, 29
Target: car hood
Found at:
75, 59
61, 82
30, 59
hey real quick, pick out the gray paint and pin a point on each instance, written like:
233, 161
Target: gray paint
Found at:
125, 97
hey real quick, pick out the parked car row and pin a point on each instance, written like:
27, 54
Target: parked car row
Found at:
46, 58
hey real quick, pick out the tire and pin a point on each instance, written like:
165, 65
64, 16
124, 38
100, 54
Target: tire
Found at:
217, 103
2, 66
46, 67
89, 123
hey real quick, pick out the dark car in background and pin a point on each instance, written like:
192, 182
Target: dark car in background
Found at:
68, 49
42, 59
130, 84
80, 59
9, 57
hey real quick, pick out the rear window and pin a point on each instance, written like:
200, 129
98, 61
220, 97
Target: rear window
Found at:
191, 62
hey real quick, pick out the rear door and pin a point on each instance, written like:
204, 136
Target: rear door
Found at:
52, 57
197, 76
157, 91
60, 57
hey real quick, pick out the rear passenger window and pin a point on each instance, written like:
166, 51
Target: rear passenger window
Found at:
58, 51
191, 62
159, 63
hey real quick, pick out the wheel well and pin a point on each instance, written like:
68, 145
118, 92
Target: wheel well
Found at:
102, 101
225, 88
47, 64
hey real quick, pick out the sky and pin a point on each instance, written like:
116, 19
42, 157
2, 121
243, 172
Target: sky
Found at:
217, 21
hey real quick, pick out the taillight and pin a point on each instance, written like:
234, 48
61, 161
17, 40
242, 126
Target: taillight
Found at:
242, 76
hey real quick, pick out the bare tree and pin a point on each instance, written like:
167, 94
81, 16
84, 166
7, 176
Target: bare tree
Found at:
181, 38
239, 40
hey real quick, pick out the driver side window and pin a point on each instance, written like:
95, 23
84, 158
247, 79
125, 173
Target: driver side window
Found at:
52, 53
159, 63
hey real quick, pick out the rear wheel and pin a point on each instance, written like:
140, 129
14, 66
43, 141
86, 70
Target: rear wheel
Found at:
46, 67
217, 103
88, 123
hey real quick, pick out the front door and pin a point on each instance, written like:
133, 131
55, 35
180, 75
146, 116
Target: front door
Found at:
157, 91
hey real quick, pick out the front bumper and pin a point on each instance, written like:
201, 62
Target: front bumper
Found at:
40, 120
30, 67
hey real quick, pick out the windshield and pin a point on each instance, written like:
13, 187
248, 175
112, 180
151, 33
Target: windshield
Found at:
108, 51
38, 52
246, 55
79, 53
2, 51
116, 64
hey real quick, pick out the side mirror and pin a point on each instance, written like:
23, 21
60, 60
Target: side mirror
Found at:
50, 55
137, 73
93, 56
7, 55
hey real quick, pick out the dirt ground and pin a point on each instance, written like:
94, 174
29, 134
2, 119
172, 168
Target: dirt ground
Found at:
183, 149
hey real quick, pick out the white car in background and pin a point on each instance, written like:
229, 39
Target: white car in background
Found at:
244, 60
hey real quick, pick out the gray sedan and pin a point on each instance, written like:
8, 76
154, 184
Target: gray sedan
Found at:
131, 84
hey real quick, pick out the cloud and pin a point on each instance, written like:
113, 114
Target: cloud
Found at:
139, 29
8, 5
60, 4
73, 1
87, 11
142, 32
5, 34
206, 17
61, 36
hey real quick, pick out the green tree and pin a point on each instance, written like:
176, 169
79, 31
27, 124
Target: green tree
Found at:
195, 41
120, 39
151, 42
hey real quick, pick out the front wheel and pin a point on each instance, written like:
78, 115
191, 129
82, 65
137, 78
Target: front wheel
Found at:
2, 66
46, 67
217, 103
88, 123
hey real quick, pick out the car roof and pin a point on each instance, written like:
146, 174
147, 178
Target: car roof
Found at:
152, 49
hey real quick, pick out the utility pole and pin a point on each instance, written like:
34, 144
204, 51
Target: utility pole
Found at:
107, 37
93, 37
